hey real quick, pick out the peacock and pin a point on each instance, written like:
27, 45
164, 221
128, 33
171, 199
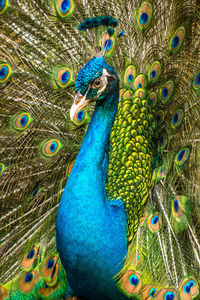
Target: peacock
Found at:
100, 153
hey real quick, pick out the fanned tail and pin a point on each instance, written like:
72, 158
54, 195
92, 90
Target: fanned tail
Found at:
156, 52
163, 259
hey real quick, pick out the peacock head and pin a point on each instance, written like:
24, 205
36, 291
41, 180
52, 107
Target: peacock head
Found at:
95, 82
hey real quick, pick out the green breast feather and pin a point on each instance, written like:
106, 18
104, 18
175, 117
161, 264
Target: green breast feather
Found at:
131, 155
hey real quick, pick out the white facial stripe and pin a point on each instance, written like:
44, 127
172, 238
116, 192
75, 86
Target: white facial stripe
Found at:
105, 80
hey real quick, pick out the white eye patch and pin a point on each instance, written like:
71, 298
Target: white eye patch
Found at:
105, 80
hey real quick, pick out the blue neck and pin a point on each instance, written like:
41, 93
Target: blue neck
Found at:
91, 232
94, 150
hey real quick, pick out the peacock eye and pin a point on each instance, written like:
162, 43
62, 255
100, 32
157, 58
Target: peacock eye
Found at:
97, 83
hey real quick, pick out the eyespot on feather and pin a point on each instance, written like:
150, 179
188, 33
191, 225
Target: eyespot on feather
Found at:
51, 147
167, 294
50, 270
144, 15
182, 156
196, 81
2, 167
64, 7
5, 71
154, 222
27, 281
107, 43
3, 6
36, 192
154, 72
163, 141
166, 91
160, 117
21, 121
140, 82
181, 212
177, 207
129, 75
81, 117
131, 282
148, 292
189, 289
177, 39
63, 77
177, 119
29, 258
153, 99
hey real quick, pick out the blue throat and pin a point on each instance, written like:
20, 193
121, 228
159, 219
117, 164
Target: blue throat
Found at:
90, 230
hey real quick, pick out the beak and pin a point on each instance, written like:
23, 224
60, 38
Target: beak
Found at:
79, 103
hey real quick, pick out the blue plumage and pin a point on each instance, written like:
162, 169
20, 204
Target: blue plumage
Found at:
91, 232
